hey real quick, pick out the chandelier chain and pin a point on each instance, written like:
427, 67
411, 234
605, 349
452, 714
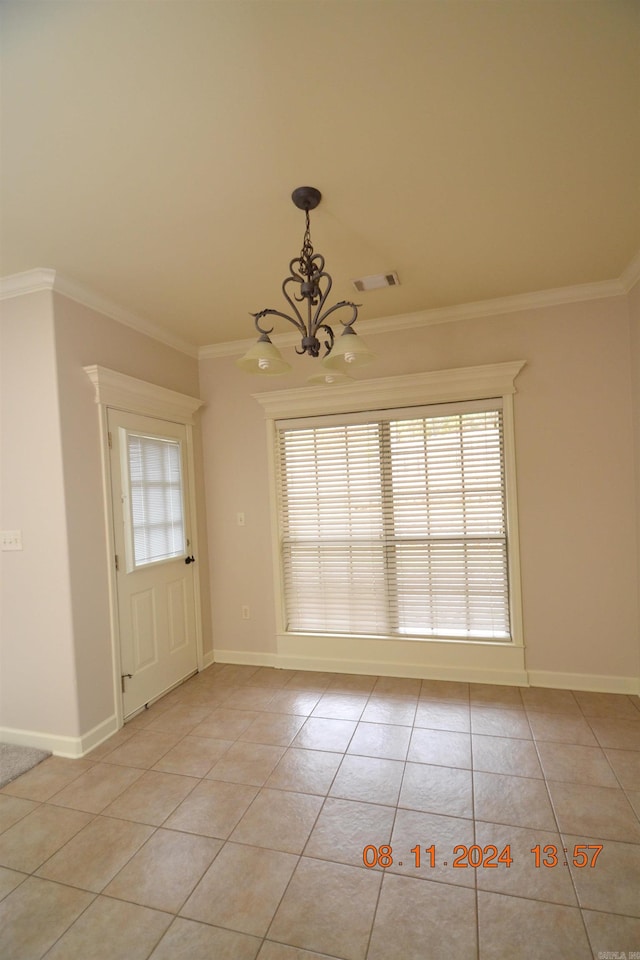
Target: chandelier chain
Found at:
306, 254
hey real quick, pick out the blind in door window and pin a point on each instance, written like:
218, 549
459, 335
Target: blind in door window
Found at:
155, 483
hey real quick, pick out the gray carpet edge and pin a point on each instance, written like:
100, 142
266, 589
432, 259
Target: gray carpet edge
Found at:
16, 760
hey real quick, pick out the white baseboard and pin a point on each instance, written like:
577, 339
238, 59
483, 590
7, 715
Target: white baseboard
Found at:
506, 674
72, 747
208, 659
381, 668
414, 670
486, 662
584, 681
248, 658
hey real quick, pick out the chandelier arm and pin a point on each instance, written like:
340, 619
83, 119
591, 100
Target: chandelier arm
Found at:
339, 306
328, 344
318, 316
300, 324
276, 313
295, 274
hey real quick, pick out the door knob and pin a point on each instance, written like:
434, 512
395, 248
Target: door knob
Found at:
189, 559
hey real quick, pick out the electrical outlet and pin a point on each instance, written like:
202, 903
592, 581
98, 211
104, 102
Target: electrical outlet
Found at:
246, 614
240, 519
12, 539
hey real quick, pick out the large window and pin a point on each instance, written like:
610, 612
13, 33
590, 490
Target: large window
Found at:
395, 524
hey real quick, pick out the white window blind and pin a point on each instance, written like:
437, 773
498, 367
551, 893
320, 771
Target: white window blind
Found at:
396, 526
155, 485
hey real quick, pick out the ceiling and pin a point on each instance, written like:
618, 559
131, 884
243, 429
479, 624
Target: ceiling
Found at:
480, 149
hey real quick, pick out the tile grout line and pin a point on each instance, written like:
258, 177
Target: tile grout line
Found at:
475, 831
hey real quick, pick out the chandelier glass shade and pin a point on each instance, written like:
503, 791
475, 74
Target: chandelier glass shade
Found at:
309, 285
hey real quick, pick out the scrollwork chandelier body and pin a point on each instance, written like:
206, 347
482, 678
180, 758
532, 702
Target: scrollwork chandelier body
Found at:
309, 285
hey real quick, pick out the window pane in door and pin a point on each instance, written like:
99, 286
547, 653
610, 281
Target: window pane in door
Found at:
155, 483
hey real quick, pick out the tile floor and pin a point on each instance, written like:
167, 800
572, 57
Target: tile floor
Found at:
228, 822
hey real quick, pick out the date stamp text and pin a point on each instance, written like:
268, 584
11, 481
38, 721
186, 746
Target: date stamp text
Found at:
464, 856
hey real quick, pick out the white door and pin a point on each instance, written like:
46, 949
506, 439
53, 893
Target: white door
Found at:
154, 563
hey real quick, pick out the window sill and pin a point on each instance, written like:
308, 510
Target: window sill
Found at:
402, 638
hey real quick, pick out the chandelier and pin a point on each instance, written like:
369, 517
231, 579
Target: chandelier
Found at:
309, 283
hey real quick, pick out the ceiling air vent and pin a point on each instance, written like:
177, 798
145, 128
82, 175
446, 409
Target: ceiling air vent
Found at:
376, 281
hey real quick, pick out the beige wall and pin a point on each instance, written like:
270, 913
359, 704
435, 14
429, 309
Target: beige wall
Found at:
38, 689
577, 399
574, 444
56, 640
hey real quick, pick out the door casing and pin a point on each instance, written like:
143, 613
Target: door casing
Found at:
117, 391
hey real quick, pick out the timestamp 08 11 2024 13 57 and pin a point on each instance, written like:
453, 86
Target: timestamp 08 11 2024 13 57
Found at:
466, 856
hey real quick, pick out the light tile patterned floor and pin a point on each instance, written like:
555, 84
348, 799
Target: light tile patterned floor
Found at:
229, 821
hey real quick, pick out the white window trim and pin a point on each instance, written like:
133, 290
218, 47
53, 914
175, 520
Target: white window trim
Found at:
441, 386
419, 389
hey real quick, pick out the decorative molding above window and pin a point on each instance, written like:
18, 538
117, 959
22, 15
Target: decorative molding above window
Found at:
438, 386
121, 392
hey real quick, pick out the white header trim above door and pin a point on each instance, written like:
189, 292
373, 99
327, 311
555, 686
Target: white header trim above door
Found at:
121, 392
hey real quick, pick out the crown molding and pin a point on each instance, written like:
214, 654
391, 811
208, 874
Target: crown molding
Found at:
41, 278
490, 308
33, 281
466, 311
